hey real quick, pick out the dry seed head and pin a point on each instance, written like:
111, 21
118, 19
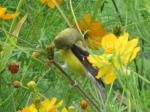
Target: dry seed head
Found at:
13, 68
83, 104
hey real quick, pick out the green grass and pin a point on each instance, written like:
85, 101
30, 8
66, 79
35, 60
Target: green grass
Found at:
39, 30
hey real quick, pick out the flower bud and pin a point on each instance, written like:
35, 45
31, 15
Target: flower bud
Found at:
17, 84
31, 84
35, 54
118, 30
83, 104
36, 100
13, 68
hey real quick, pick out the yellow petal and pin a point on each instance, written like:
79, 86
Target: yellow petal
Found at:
108, 42
46, 103
94, 60
2, 10
100, 74
134, 54
51, 4
59, 104
121, 44
94, 42
109, 78
43, 1
95, 25
132, 44
30, 108
53, 110
127, 55
59, 2
125, 58
104, 70
87, 19
82, 25
53, 101
9, 16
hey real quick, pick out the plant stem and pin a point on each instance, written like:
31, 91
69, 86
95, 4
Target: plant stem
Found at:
74, 17
117, 10
97, 7
141, 84
75, 85
62, 13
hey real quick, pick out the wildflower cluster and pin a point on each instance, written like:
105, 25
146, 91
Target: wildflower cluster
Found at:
118, 52
89, 49
44, 106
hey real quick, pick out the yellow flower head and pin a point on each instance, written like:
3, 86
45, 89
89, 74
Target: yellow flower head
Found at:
123, 50
5, 16
117, 53
30, 108
94, 30
50, 106
45, 106
51, 3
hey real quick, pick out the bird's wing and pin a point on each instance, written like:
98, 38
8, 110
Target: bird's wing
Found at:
82, 56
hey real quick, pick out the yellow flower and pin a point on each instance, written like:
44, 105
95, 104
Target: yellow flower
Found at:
30, 108
118, 52
5, 16
123, 50
94, 31
50, 3
49, 105
45, 106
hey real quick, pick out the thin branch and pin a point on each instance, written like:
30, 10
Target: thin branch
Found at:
117, 10
74, 83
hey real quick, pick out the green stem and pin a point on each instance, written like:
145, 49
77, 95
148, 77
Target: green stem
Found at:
62, 13
24, 87
117, 10
74, 17
142, 63
97, 7
14, 104
15, 19
145, 80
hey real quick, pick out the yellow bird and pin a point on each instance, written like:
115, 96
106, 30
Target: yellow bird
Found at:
69, 41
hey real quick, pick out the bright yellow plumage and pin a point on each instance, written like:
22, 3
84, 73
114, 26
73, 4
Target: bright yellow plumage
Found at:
72, 62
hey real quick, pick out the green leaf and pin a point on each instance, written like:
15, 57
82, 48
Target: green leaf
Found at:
10, 44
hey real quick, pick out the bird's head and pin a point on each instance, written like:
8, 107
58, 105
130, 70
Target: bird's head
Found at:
66, 38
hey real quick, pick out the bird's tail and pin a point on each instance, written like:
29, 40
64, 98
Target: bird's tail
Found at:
82, 56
